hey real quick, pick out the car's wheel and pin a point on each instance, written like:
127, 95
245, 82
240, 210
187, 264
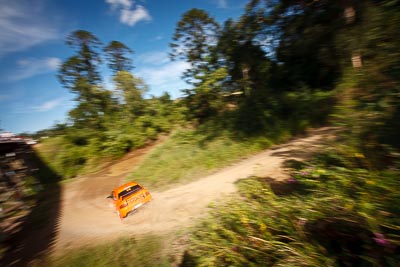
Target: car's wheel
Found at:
131, 212
119, 215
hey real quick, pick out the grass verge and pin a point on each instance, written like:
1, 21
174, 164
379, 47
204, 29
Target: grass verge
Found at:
126, 251
189, 154
331, 212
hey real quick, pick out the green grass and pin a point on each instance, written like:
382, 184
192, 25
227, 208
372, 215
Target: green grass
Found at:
146, 251
330, 213
189, 154
69, 160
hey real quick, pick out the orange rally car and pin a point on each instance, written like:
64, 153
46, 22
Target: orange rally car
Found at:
129, 197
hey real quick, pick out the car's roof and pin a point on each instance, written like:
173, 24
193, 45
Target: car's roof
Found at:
124, 186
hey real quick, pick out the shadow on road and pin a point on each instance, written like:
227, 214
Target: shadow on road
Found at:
307, 147
30, 237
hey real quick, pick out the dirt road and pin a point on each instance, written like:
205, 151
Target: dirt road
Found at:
86, 216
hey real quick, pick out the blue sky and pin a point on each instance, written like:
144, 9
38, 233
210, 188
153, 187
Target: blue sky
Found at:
32, 35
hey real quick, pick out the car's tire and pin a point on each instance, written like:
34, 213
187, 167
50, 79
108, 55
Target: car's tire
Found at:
119, 215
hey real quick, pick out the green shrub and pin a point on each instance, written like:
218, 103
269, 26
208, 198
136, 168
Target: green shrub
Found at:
123, 252
189, 154
326, 214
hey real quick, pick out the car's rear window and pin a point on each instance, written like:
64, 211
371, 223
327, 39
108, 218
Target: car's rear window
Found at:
129, 191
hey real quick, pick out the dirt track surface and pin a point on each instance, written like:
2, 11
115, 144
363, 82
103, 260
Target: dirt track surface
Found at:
87, 217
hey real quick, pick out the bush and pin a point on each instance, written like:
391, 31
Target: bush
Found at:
327, 214
124, 252
189, 154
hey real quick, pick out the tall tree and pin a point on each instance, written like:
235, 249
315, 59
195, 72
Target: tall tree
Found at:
84, 64
132, 89
117, 56
301, 35
194, 41
247, 63
79, 73
206, 99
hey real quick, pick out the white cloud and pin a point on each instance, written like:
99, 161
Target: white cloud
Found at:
27, 68
130, 14
165, 77
22, 26
154, 58
222, 3
115, 4
48, 105
165, 73
29, 106
131, 17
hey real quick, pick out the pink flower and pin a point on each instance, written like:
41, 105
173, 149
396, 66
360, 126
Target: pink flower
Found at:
302, 221
380, 239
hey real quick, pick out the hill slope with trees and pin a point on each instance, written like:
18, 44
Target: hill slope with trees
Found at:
280, 68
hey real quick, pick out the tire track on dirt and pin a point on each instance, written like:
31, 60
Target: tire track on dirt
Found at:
87, 217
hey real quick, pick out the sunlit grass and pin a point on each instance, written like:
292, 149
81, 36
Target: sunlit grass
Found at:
189, 154
329, 213
146, 251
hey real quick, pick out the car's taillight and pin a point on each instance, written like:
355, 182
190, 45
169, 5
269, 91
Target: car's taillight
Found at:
147, 193
123, 205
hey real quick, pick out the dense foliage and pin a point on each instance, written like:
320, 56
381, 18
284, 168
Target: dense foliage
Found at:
330, 213
280, 68
104, 124
341, 207
192, 153
126, 251
76, 150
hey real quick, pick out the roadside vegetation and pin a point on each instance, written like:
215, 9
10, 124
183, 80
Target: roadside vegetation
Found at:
189, 154
331, 212
341, 207
126, 251
282, 67
72, 151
